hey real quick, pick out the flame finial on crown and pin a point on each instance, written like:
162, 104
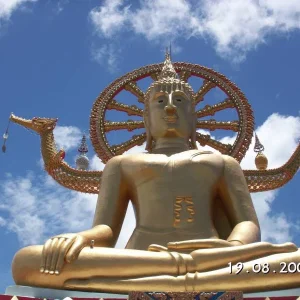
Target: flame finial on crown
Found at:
168, 71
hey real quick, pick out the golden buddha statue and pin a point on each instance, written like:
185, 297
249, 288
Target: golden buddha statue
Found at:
195, 219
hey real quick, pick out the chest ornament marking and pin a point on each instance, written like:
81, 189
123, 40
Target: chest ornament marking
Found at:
178, 208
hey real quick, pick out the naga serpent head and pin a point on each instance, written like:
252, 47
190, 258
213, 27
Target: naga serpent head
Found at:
39, 125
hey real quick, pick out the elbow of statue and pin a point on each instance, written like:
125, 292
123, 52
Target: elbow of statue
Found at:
246, 232
254, 236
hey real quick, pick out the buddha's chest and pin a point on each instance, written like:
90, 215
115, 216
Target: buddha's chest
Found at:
175, 191
183, 169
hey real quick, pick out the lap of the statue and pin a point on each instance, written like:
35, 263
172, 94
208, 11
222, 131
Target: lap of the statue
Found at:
142, 237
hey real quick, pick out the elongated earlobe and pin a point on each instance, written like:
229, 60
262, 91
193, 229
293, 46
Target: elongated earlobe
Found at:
193, 141
193, 135
148, 141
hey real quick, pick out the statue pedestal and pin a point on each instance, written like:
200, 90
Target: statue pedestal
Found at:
186, 295
30, 293
42, 293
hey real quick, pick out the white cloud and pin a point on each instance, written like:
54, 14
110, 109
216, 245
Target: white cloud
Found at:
2, 222
234, 26
67, 137
60, 5
106, 54
109, 18
96, 164
7, 7
164, 19
275, 227
38, 208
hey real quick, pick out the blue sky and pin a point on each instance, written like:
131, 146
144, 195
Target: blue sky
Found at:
57, 56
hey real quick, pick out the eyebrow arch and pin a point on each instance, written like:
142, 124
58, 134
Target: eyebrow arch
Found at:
159, 94
179, 93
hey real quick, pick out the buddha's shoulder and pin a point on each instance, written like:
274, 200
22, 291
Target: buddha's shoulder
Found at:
195, 155
212, 157
201, 154
126, 158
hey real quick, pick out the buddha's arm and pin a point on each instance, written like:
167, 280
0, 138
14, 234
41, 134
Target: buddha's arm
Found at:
110, 212
234, 193
111, 205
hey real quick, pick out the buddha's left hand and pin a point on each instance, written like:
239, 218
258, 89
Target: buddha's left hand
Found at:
191, 245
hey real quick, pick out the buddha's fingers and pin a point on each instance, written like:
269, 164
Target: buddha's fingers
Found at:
44, 255
62, 254
198, 244
75, 249
55, 255
52, 248
286, 247
157, 248
154, 283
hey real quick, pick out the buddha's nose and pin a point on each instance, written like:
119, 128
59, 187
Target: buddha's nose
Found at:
170, 108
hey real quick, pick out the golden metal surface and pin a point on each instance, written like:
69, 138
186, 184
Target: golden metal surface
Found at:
131, 110
89, 181
179, 201
261, 161
194, 213
129, 125
213, 125
209, 110
204, 89
211, 79
78, 180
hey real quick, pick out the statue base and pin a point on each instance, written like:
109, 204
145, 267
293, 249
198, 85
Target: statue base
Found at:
185, 295
31, 293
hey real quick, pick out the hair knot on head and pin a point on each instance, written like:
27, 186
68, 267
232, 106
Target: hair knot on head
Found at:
168, 71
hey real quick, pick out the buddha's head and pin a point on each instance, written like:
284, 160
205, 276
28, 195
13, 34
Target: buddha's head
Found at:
170, 108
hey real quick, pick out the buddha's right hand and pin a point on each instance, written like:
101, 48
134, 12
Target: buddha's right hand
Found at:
61, 248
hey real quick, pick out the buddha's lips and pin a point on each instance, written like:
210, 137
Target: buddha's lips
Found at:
172, 119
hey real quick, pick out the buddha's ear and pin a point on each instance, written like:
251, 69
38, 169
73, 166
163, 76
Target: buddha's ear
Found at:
193, 135
148, 140
148, 133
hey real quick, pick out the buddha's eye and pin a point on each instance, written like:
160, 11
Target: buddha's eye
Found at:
160, 101
178, 100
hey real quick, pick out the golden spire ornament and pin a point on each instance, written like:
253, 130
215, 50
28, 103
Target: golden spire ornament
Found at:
168, 71
261, 161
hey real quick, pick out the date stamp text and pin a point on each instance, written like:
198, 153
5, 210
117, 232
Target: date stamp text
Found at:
264, 268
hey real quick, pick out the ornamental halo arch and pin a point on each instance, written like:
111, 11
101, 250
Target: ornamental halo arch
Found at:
243, 127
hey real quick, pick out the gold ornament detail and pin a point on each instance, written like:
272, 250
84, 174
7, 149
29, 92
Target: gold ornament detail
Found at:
211, 79
261, 161
89, 181
178, 208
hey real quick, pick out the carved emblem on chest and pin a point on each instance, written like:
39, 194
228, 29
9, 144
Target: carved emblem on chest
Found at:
178, 206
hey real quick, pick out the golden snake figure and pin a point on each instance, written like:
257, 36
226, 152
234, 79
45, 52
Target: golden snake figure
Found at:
194, 213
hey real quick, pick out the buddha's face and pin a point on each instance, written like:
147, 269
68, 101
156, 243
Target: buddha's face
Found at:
171, 115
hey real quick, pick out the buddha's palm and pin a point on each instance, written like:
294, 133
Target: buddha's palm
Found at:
192, 245
60, 249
